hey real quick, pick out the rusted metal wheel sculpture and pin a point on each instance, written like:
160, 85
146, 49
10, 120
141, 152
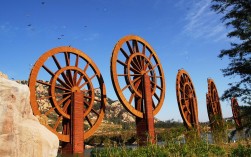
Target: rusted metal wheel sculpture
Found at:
187, 100
138, 77
132, 58
213, 106
236, 112
55, 76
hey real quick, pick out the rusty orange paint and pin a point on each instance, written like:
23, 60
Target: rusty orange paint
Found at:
63, 71
187, 100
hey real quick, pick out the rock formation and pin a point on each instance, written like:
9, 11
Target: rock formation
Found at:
21, 134
2, 75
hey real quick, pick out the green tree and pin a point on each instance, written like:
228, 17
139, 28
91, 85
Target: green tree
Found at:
237, 17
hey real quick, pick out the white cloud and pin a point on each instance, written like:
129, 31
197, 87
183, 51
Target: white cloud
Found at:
201, 22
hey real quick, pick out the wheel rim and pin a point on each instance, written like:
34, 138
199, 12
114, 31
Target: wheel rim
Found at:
132, 58
67, 70
186, 98
236, 112
214, 108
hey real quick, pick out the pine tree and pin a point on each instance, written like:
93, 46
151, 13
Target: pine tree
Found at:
237, 17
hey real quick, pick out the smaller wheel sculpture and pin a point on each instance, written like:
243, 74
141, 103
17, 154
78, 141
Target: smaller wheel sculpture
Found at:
187, 100
236, 112
213, 105
55, 76
132, 58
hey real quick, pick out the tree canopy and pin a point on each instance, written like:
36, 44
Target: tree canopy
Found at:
237, 17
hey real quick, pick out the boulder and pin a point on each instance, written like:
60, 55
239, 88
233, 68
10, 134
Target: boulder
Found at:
2, 75
21, 134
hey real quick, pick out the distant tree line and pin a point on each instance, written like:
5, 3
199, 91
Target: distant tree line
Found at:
168, 124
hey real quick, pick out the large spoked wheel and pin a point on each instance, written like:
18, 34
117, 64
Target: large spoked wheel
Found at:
55, 76
214, 102
236, 112
187, 100
132, 58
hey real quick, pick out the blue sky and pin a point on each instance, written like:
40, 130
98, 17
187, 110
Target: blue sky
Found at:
183, 33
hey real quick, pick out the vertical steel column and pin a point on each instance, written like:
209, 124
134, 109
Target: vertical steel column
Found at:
145, 125
76, 144
77, 123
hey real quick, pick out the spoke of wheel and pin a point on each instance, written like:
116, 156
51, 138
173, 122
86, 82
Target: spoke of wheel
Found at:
124, 53
136, 49
153, 104
57, 122
186, 78
156, 76
152, 68
122, 63
157, 85
137, 84
181, 84
181, 90
130, 84
134, 64
66, 105
44, 83
131, 51
49, 111
125, 65
182, 81
75, 77
184, 106
63, 83
52, 74
63, 100
144, 53
144, 49
65, 89
86, 66
79, 80
67, 59
86, 103
95, 112
77, 60
131, 98
59, 67
156, 96
88, 120
150, 57
134, 70
135, 46
146, 65
48, 70
81, 86
49, 96
129, 47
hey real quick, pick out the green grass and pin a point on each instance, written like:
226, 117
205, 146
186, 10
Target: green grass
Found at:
175, 146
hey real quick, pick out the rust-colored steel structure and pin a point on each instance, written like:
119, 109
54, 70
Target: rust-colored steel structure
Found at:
139, 82
213, 106
187, 101
236, 112
63, 83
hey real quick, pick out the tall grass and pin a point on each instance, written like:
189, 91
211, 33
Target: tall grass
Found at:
177, 142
